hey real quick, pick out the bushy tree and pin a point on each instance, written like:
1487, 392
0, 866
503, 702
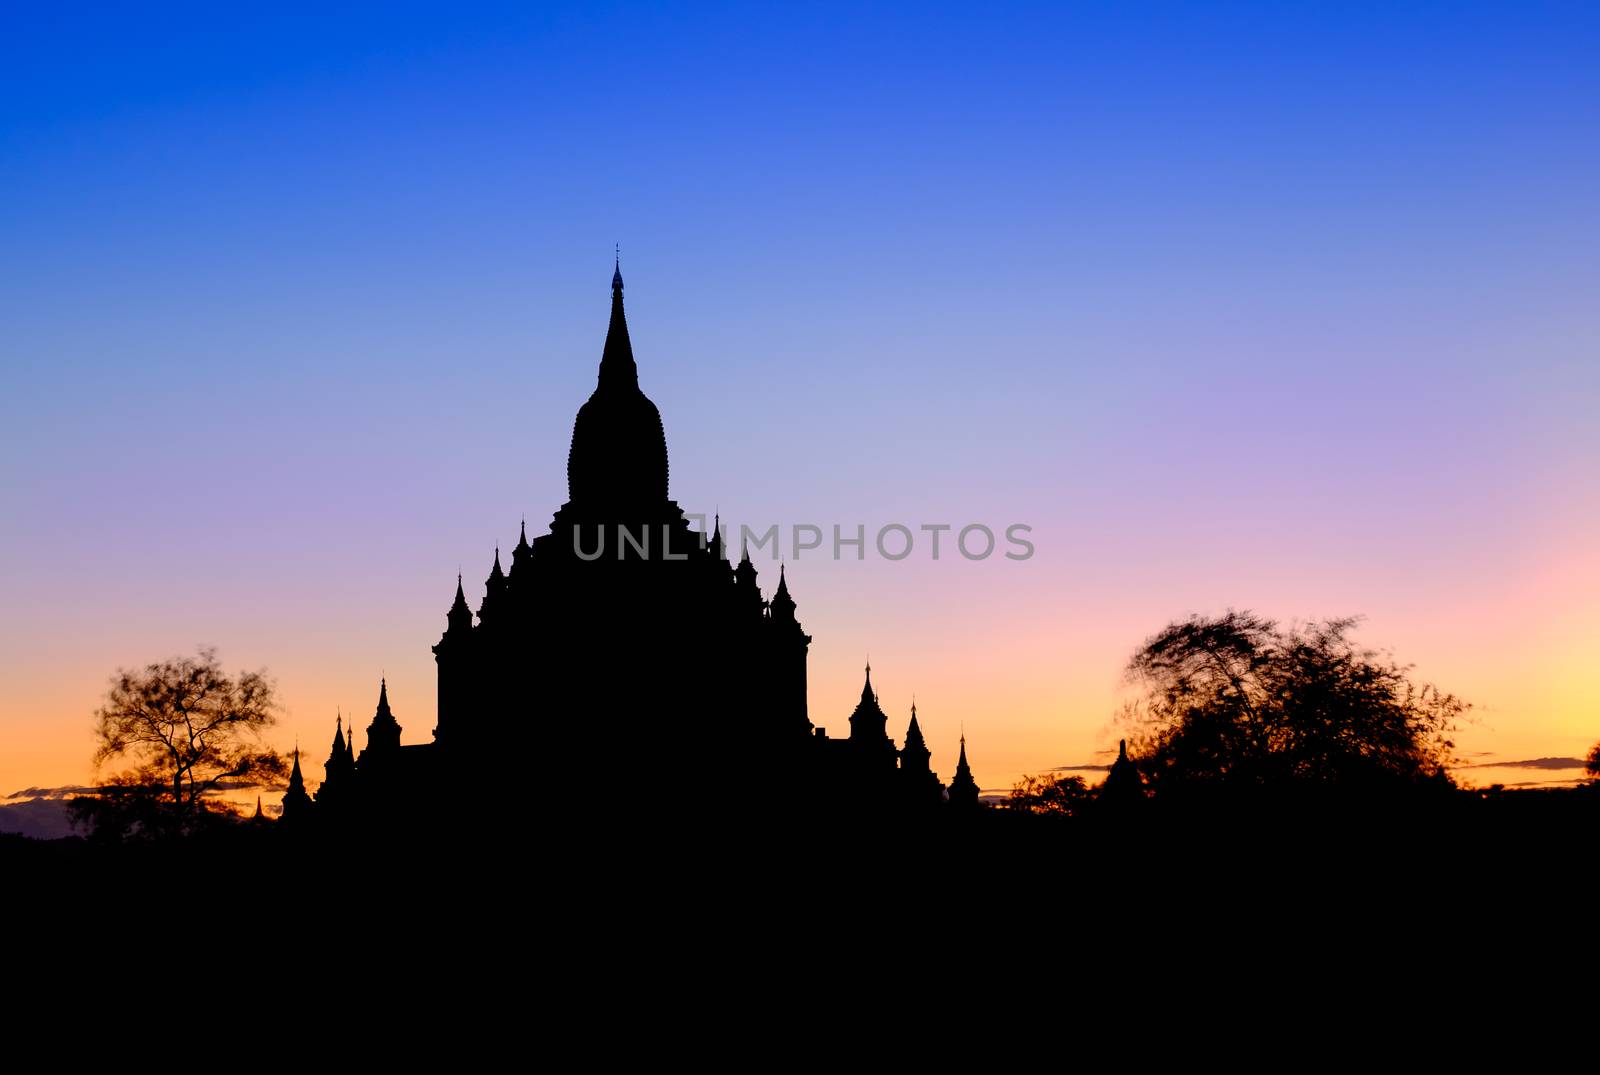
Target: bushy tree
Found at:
1051, 793
1238, 701
187, 732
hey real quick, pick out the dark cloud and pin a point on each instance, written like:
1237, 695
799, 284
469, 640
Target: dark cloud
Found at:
1079, 768
1531, 763
69, 790
47, 817
42, 819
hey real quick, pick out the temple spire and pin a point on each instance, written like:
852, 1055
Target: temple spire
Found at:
1123, 783
522, 553
716, 538
383, 734
915, 758
618, 458
459, 618
783, 612
915, 743
869, 724
964, 789
295, 800
617, 367
340, 766
494, 590
744, 581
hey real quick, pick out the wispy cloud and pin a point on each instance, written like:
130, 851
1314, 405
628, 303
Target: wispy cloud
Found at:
1541, 784
52, 793
1090, 768
1531, 763
68, 790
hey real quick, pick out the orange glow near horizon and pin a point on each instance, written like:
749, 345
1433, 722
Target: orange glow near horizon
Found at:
1037, 693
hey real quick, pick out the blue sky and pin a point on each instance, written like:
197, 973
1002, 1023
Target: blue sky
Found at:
296, 308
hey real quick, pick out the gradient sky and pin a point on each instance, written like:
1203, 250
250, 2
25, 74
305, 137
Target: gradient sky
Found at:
1288, 307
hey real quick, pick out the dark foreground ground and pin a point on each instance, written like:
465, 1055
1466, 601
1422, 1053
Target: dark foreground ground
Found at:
1217, 874
1196, 936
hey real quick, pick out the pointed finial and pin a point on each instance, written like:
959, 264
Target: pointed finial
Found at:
616, 272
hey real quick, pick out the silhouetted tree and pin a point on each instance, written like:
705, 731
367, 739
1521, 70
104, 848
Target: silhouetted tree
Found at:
188, 730
1592, 762
1238, 701
119, 812
1052, 793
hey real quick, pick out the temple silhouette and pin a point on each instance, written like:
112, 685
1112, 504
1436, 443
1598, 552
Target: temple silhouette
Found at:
622, 648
